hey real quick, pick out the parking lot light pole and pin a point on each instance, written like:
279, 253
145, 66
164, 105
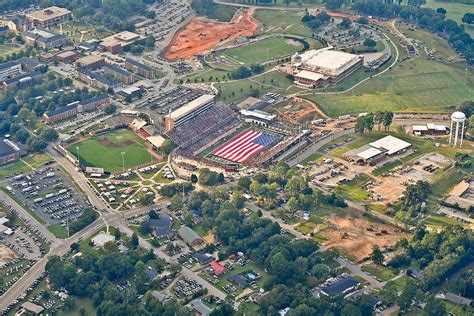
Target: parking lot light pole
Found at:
123, 161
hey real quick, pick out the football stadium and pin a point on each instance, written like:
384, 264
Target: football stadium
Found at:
215, 135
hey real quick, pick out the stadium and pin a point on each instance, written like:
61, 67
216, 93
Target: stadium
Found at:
214, 135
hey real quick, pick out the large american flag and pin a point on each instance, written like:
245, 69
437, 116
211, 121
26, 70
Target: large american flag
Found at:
245, 145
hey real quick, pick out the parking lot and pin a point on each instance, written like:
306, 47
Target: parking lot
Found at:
49, 193
186, 287
173, 99
168, 15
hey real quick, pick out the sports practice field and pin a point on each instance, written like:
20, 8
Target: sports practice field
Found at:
259, 52
104, 151
419, 85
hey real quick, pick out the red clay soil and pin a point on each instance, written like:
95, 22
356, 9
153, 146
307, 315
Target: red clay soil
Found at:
201, 35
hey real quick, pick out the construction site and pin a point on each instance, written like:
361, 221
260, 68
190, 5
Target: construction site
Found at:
202, 35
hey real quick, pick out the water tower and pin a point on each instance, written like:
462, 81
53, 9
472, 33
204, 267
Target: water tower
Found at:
457, 118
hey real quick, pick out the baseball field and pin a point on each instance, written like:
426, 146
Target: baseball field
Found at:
104, 151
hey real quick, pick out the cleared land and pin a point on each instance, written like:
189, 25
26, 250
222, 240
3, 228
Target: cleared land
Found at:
104, 151
417, 85
201, 35
265, 50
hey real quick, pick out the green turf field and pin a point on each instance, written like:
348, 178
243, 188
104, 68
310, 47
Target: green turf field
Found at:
265, 50
455, 11
416, 85
104, 151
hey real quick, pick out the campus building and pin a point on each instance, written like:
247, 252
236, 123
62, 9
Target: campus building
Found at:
48, 17
74, 108
8, 152
139, 69
44, 39
119, 73
318, 67
116, 43
22, 80
9, 69
189, 111
190, 237
90, 61
96, 79
67, 56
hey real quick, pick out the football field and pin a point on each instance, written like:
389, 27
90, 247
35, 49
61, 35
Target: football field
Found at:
104, 151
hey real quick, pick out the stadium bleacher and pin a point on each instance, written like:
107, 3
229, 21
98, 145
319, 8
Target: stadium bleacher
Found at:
204, 129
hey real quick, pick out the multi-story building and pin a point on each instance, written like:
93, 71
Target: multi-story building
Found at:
9, 69
140, 69
48, 17
8, 152
67, 56
94, 102
96, 79
61, 113
90, 61
22, 80
119, 73
116, 43
44, 39
30, 64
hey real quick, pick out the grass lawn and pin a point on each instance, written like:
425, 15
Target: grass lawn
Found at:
200, 230
85, 303
458, 310
259, 52
398, 284
416, 85
104, 151
8, 49
237, 90
37, 160
74, 30
386, 167
446, 181
438, 221
455, 11
14, 167
384, 273
283, 22
353, 190
58, 231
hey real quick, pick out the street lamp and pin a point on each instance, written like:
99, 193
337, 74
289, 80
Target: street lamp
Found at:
123, 161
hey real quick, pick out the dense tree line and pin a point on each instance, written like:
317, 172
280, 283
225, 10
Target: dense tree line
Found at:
94, 275
176, 188
366, 123
316, 21
86, 218
425, 18
438, 254
209, 177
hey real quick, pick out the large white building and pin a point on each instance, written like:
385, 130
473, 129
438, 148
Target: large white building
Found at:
323, 66
189, 111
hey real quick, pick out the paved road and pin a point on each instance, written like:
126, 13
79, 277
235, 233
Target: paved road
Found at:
353, 268
314, 147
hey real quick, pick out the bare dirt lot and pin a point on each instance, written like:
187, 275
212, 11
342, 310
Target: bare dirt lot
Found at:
355, 236
201, 35
6, 254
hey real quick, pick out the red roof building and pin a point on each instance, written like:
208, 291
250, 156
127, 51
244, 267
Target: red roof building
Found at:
218, 268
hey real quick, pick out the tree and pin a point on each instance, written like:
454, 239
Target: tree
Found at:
387, 120
468, 18
144, 228
110, 109
370, 43
244, 182
350, 310
134, 241
153, 214
345, 23
167, 147
362, 20
333, 4
147, 199
175, 203
441, 10
117, 234
467, 108
434, 307
377, 255
48, 135
194, 178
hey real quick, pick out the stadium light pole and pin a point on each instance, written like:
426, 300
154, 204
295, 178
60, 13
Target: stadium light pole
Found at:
123, 161
78, 161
